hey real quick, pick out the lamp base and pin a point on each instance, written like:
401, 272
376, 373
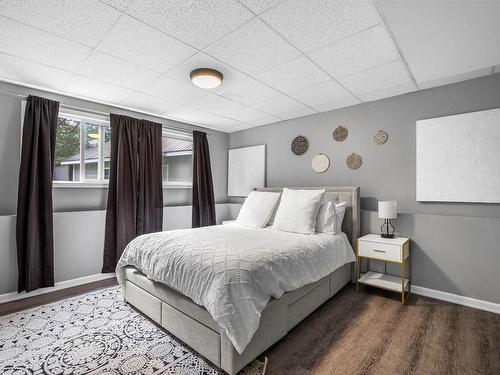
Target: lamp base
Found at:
387, 229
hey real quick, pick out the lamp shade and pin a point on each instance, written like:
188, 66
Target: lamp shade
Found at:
388, 210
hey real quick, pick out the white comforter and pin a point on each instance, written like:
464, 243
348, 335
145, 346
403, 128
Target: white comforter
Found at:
233, 271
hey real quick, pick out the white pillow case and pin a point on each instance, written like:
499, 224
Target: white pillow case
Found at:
330, 217
298, 211
257, 209
340, 209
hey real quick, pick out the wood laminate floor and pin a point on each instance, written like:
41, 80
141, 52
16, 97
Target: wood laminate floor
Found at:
370, 333
42, 299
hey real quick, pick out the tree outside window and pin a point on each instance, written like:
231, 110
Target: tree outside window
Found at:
74, 163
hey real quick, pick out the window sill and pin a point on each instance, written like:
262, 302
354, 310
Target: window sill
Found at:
79, 185
170, 185
104, 185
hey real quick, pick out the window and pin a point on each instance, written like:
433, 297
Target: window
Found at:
177, 159
83, 145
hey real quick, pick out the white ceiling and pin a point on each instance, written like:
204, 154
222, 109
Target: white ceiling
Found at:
280, 59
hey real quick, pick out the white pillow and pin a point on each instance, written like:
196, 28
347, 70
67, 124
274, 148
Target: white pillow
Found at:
257, 209
325, 219
330, 217
340, 209
298, 211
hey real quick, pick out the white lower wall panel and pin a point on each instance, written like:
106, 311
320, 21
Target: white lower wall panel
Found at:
79, 242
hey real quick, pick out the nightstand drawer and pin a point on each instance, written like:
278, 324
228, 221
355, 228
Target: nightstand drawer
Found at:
379, 251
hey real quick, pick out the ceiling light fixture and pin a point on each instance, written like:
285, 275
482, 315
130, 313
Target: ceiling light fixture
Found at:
206, 78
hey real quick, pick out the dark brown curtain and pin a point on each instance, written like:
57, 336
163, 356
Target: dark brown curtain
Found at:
135, 196
203, 189
34, 229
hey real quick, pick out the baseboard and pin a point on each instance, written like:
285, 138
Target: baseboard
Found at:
8, 297
455, 298
415, 289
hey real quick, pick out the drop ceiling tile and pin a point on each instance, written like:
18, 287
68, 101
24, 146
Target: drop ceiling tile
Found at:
219, 122
147, 103
445, 38
27, 72
35, 45
198, 117
134, 41
385, 93
246, 90
187, 114
110, 69
237, 128
258, 6
293, 75
216, 104
202, 60
228, 125
312, 24
247, 114
118, 4
85, 22
278, 105
253, 48
382, 77
96, 90
359, 52
456, 78
297, 113
197, 23
326, 91
335, 104
176, 91
264, 121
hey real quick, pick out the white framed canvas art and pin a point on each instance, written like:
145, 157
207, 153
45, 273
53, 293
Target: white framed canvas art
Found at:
246, 170
458, 158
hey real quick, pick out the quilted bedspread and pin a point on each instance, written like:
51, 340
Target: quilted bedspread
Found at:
233, 271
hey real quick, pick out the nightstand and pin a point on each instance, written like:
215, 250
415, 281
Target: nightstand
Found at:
392, 250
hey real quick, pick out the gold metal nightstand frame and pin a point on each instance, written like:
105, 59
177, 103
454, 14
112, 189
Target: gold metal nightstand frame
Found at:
404, 295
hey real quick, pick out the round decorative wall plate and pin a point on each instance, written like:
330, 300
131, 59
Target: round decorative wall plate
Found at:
381, 137
354, 161
300, 145
340, 134
320, 163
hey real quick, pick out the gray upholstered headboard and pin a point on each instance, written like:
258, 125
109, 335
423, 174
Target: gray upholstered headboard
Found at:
350, 194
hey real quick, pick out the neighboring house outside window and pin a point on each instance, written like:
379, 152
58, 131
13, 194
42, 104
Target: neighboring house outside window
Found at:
177, 161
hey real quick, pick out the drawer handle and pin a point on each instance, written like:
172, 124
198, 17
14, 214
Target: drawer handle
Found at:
379, 251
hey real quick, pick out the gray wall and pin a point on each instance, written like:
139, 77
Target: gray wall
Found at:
74, 199
456, 245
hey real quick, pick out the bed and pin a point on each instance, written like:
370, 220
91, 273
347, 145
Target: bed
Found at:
209, 328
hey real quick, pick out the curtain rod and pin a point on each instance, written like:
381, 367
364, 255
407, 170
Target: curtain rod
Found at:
67, 106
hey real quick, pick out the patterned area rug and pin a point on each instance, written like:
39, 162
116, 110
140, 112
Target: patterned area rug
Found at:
95, 333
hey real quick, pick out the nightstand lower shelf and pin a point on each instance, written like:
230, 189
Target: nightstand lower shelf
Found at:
384, 281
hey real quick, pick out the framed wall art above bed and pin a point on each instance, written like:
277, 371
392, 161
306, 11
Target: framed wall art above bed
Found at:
246, 170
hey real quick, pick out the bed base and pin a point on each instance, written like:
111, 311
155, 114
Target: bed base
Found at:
193, 325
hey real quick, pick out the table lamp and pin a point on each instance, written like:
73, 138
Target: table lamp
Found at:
387, 210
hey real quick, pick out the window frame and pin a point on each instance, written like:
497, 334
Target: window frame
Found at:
86, 118
171, 133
